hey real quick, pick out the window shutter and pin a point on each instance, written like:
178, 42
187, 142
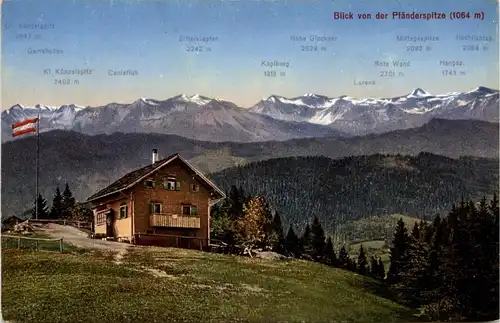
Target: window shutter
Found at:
165, 184
154, 182
177, 186
151, 208
194, 210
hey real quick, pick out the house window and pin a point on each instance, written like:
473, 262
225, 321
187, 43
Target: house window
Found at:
171, 184
149, 183
189, 210
195, 187
155, 208
123, 211
100, 218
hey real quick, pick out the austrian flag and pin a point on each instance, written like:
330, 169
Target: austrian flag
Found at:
23, 127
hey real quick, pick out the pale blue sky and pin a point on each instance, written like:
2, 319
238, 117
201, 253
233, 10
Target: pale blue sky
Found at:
144, 36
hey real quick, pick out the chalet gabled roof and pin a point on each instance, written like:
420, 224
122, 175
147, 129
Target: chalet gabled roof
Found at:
136, 176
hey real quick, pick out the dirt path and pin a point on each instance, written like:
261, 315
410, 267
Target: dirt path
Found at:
80, 239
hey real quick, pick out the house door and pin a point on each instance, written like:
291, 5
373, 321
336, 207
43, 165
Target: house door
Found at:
109, 224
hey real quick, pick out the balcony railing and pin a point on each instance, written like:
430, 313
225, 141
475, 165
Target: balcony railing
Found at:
174, 221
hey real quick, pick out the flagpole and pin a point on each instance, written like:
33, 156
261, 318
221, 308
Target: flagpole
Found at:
37, 162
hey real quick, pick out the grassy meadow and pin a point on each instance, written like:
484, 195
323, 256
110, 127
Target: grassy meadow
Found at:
152, 284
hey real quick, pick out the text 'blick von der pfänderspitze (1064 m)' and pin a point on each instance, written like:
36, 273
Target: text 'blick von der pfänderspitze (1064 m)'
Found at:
403, 15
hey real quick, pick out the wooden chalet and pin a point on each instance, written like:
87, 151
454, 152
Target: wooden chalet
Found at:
166, 203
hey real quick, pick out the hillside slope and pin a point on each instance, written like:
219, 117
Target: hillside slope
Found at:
90, 163
176, 285
362, 186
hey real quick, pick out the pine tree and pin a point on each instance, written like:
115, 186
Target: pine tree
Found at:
317, 240
416, 231
413, 272
381, 269
373, 267
306, 244
43, 212
235, 203
361, 266
351, 264
329, 257
56, 211
343, 258
493, 207
68, 202
279, 237
399, 245
292, 246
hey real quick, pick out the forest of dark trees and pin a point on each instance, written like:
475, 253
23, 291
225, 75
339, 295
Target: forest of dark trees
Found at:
64, 207
446, 269
356, 187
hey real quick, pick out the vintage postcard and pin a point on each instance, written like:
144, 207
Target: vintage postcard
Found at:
249, 161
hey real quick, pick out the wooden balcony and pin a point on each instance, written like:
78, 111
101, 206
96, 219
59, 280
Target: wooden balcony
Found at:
174, 221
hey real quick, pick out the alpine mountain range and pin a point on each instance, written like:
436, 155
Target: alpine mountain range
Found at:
274, 118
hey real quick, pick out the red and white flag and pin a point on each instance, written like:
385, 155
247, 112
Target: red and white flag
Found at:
23, 127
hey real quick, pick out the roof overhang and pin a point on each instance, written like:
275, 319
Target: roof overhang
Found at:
197, 172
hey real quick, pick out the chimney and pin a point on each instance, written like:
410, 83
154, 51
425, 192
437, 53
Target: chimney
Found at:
155, 156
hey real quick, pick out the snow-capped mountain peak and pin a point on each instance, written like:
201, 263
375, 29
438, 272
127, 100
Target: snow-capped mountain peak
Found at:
345, 114
419, 93
147, 101
483, 89
196, 98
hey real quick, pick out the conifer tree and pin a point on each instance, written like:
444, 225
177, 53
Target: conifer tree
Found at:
351, 264
292, 246
329, 257
236, 203
242, 196
43, 212
56, 211
317, 240
493, 207
68, 202
381, 269
399, 245
279, 237
361, 265
374, 267
306, 244
416, 231
343, 258
413, 272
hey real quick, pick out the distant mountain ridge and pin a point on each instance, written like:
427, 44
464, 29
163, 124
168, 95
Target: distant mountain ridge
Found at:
363, 116
195, 117
89, 163
275, 118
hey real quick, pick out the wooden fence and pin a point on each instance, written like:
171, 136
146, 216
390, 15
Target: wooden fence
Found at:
37, 244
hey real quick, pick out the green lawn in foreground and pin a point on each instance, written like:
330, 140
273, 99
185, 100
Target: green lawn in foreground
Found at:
194, 287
